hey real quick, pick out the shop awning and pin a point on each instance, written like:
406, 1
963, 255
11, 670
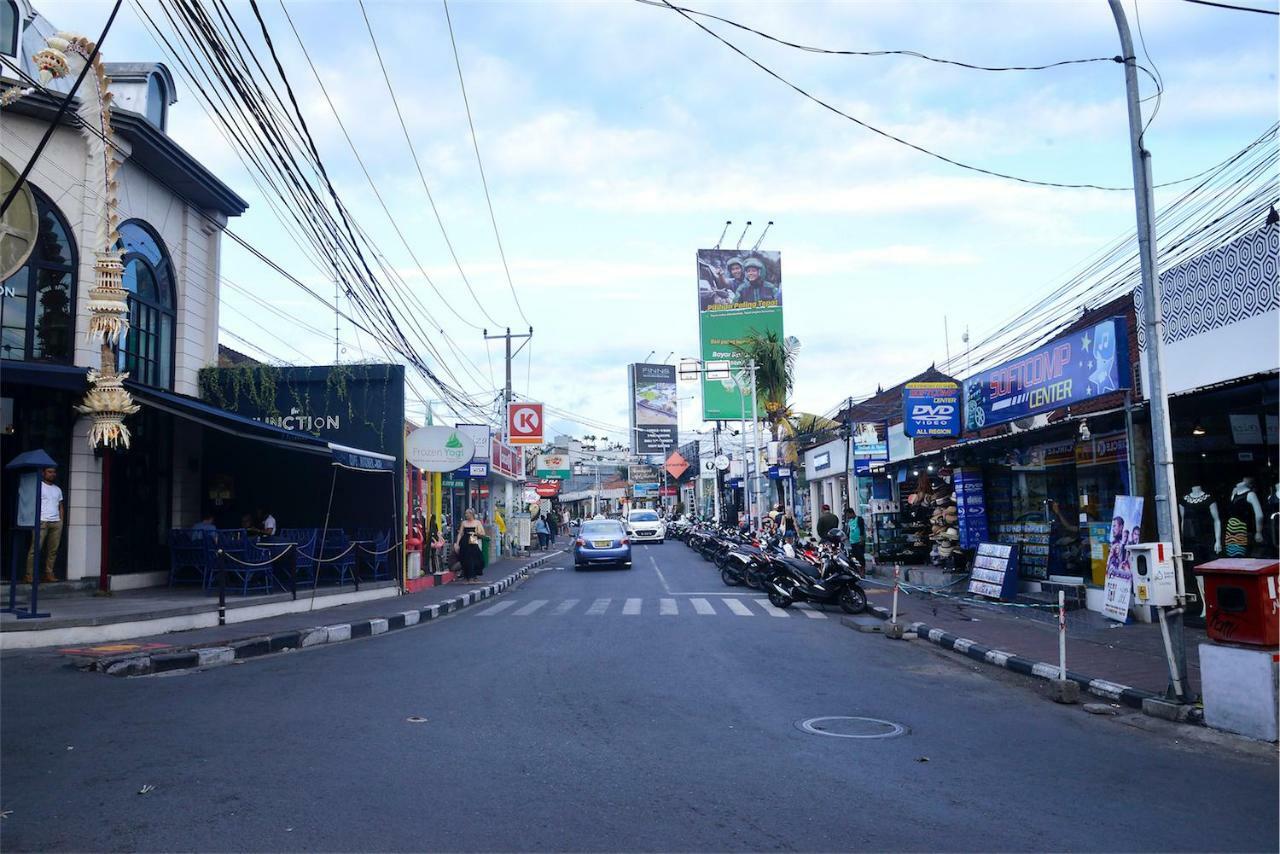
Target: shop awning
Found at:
44, 375
207, 415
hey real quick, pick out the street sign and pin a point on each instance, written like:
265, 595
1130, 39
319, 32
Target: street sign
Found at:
524, 424
676, 464
717, 371
722, 462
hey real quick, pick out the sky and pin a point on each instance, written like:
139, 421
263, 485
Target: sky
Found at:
618, 138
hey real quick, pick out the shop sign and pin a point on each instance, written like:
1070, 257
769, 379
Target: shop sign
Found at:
437, 448
1066, 371
709, 468
1246, 429
506, 459
553, 465
530, 495
669, 491
1104, 449
971, 509
548, 488
452, 483
480, 435
931, 409
524, 423
870, 441
644, 490
822, 461
779, 472
478, 470
643, 473
1126, 529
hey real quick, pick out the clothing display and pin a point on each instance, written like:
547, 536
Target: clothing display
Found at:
1271, 527
1198, 535
1240, 527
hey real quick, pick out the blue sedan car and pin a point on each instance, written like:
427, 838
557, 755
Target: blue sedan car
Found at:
602, 541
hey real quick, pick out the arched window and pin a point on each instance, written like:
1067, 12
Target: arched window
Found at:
157, 100
37, 303
9, 27
147, 351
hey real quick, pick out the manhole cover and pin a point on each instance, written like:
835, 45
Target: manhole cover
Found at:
416, 719
851, 727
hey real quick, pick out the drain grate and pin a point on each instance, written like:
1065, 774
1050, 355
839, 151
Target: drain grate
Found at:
839, 726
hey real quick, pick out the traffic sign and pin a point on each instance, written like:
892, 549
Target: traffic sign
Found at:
722, 462
676, 464
524, 424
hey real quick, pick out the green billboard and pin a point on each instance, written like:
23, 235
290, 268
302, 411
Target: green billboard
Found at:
738, 293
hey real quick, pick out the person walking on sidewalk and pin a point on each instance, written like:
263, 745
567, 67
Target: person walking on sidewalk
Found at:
468, 546
544, 533
50, 527
856, 530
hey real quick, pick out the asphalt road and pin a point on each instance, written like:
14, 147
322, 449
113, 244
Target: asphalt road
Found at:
660, 719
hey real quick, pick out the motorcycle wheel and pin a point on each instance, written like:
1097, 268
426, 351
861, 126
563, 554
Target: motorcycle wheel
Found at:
728, 578
722, 561
853, 600
752, 580
779, 600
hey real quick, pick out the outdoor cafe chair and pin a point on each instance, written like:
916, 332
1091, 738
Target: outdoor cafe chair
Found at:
304, 540
337, 555
247, 566
375, 549
191, 553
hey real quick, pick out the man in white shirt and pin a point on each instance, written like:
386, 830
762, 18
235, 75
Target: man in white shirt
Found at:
50, 527
269, 525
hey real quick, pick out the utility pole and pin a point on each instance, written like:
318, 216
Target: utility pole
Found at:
1153, 321
506, 389
336, 291
755, 444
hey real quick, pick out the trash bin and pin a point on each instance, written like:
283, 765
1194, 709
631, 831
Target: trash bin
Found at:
1240, 600
484, 551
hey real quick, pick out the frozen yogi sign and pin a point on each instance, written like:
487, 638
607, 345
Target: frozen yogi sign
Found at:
1067, 370
739, 292
438, 449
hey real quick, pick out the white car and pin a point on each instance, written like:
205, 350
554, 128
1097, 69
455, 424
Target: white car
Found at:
644, 526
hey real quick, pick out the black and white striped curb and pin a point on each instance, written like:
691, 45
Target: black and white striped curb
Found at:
294, 639
1131, 697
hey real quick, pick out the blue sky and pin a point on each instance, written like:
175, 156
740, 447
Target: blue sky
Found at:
618, 138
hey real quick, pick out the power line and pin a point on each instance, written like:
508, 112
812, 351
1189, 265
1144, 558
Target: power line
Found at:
1233, 8
480, 163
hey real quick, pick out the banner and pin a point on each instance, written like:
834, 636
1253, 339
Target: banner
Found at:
931, 409
1067, 370
1126, 529
739, 292
654, 416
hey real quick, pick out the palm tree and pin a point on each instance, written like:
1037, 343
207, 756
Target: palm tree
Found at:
775, 370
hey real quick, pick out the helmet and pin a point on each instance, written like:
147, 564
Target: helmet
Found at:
732, 261
755, 262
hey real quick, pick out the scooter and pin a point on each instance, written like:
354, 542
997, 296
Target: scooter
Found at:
835, 582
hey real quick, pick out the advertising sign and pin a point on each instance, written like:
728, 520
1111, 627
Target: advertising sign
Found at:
644, 490
643, 473
524, 424
480, 435
547, 488
553, 465
870, 441
654, 416
971, 508
1126, 529
931, 409
739, 292
1067, 370
438, 448
506, 460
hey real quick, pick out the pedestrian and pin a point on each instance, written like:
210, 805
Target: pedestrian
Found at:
468, 547
857, 531
543, 531
50, 527
435, 544
827, 522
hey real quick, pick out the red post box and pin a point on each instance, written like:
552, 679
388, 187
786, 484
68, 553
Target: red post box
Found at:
1241, 604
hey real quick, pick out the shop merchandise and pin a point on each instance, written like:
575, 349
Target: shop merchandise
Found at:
1273, 522
1201, 525
1244, 520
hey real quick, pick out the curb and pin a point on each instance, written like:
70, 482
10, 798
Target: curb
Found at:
296, 639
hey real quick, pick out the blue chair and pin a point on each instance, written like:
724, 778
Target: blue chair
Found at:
247, 566
304, 540
376, 552
191, 556
338, 555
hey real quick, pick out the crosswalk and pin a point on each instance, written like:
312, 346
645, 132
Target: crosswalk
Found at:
636, 607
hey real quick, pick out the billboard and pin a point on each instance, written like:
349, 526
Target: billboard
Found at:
654, 416
931, 409
739, 292
1067, 370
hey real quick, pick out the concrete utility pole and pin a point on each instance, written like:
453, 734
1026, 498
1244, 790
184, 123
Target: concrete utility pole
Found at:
755, 445
1153, 323
506, 392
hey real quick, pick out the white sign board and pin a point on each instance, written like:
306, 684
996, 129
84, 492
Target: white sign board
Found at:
438, 449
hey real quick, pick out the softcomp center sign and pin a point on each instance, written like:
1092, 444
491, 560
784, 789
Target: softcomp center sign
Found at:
438, 448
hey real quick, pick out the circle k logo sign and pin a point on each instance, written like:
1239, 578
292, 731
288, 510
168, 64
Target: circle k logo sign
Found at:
524, 423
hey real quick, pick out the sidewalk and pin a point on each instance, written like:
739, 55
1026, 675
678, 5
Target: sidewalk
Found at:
386, 606
1127, 654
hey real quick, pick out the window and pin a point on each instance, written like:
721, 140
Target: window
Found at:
9, 27
147, 350
37, 303
157, 101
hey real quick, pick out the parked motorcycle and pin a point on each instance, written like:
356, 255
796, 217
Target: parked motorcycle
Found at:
834, 581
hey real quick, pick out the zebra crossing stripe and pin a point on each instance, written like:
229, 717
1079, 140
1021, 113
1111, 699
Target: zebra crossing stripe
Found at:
667, 607
598, 607
564, 607
530, 608
738, 607
812, 613
702, 606
498, 608
632, 607
770, 610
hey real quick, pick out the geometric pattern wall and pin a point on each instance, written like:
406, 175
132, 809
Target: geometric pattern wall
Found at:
1226, 285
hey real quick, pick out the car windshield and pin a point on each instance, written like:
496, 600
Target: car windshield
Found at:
601, 529
644, 516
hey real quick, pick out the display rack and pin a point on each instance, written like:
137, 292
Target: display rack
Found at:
1032, 539
995, 571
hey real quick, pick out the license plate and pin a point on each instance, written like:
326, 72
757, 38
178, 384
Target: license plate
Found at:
603, 544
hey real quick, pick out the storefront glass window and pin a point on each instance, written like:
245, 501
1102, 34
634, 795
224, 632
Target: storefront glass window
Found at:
147, 350
37, 303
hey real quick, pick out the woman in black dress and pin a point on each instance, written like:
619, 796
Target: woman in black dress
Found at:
468, 546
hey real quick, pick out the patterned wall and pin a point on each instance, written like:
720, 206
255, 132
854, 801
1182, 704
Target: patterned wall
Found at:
1218, 288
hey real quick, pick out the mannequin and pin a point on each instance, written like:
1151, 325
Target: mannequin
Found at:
1273, 522
1202, 536
1244, 520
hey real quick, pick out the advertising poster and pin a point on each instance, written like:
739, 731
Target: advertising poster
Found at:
870, 441
1067, 370
1126, 529
739, 292
931, 409
654, 413
971, 509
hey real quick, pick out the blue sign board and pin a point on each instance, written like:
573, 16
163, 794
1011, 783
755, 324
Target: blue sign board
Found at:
1067, 370
971, 508
644, 490
931, 409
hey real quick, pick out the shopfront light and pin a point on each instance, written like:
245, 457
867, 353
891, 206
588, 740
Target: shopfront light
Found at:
1197, 430
916, 473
